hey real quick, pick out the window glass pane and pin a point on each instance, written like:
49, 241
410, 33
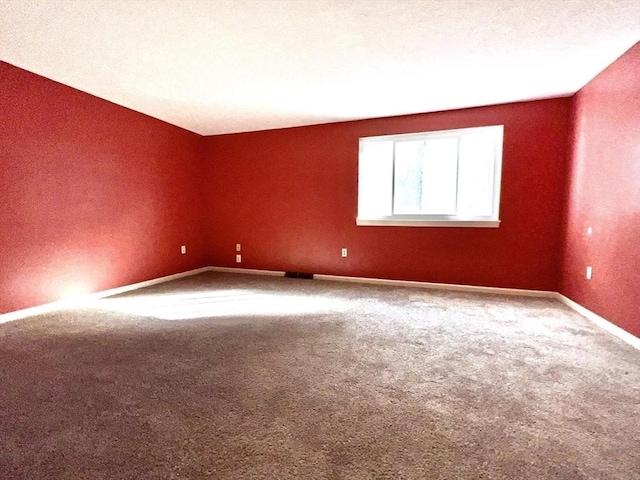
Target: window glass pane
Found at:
407, 188
375, 171
476, 173
440, 171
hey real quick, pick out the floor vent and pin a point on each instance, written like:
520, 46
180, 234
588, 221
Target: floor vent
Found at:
306, 276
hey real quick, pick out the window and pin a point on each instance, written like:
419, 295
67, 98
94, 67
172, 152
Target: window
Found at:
445, 178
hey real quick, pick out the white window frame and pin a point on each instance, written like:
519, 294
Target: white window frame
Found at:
422, 220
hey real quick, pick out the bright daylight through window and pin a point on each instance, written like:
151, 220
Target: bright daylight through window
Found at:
444, 178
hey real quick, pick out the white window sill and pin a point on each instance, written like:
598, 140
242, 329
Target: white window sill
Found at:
427, 223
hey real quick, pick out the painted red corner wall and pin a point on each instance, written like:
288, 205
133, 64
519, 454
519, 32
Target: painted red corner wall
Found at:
289, 197
92, 195
604, 193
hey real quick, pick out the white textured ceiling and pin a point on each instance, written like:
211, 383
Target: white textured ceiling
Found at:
221, 66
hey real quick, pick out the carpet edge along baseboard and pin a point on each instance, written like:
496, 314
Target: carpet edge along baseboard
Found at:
593, 317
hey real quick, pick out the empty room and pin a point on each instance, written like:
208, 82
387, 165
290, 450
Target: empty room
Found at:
320, 239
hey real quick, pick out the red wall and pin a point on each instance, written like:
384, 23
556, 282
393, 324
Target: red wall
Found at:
92, 195
289, 197
604, 193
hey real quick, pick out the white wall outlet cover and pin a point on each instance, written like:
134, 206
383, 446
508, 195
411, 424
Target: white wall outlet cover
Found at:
183, 249
238, 247
238, 258
344, 252
589, 230
589, 273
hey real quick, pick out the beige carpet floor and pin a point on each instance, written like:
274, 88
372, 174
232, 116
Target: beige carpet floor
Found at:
231, 376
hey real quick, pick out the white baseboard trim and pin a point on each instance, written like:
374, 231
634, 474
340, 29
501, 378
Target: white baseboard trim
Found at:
600, 321
399, 283
61, 304
439, 286
251, 271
